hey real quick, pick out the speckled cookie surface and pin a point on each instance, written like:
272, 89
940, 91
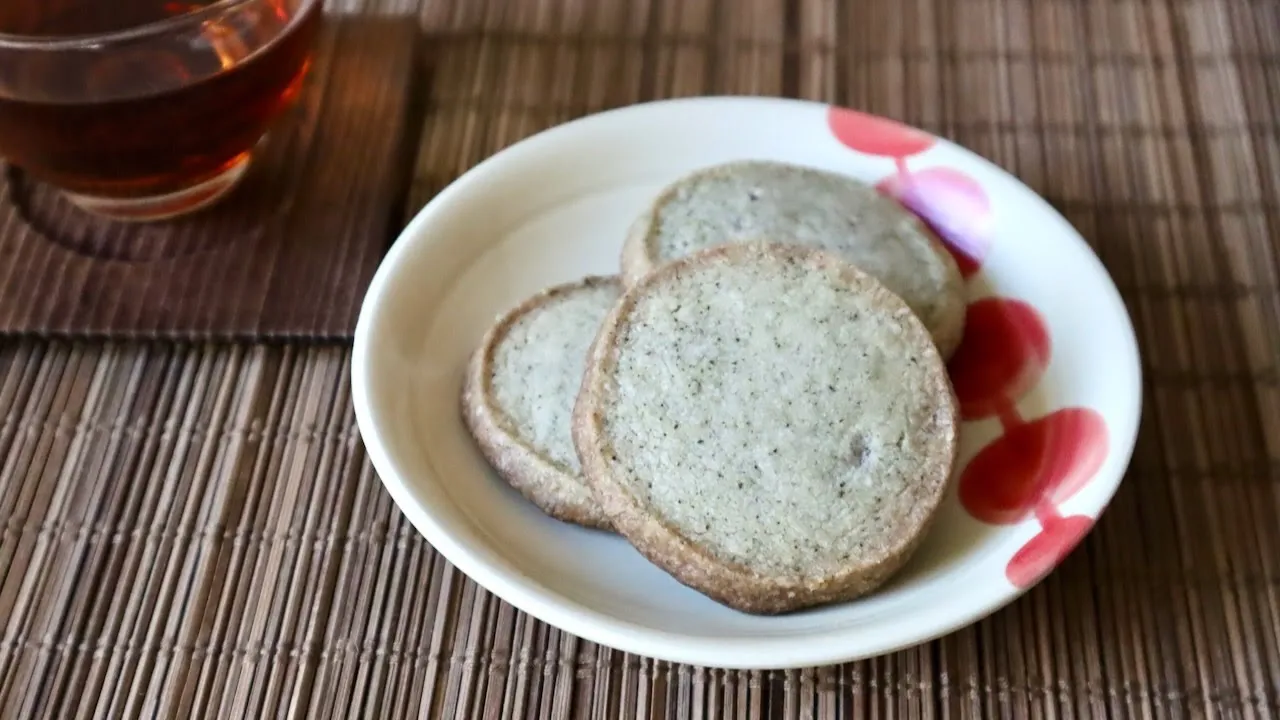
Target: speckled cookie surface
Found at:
520, 388
767, 423
751, 200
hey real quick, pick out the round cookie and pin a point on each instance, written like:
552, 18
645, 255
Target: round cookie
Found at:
768, 424
746, 201
519, 391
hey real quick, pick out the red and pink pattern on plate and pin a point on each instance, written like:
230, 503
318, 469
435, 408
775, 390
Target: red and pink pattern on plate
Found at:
1035, 464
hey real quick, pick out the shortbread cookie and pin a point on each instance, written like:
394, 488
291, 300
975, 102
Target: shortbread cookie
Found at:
750, 200
767, 423
520, 389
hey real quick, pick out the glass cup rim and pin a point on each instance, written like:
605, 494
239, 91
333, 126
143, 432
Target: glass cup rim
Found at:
100, 41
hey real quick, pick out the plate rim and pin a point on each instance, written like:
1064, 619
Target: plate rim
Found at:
776, 652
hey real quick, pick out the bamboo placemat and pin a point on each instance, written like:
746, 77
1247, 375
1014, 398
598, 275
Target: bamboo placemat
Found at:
195, 531
287, 255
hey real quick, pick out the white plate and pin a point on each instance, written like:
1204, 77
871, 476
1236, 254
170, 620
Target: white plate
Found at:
554, 207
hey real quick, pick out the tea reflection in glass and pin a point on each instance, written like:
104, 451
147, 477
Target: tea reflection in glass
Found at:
144, 109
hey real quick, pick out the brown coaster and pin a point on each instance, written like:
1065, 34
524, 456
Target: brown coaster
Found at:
287, 255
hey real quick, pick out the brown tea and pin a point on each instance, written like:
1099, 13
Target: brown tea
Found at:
148, 113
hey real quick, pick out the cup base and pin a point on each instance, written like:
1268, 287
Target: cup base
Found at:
167, 206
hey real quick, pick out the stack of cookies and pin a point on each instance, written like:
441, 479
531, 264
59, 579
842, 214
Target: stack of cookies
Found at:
758, 401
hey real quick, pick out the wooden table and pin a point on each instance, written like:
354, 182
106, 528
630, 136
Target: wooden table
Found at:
194, 530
